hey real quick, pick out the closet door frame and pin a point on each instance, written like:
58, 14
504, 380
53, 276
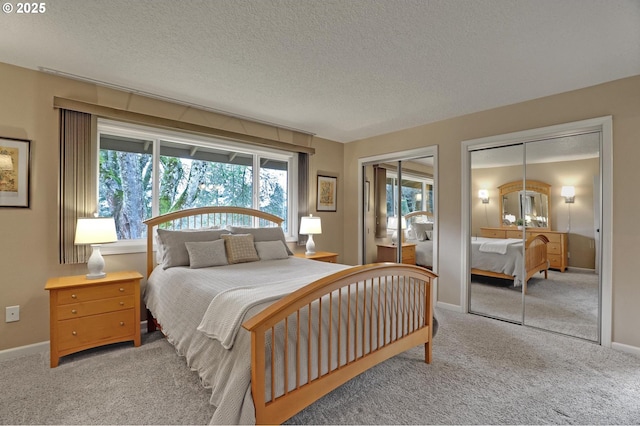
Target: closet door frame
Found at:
604, 126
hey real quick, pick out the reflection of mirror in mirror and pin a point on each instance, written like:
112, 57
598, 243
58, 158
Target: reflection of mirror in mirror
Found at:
528, 207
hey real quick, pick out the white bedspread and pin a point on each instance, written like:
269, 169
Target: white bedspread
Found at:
424, 252
498, 245
510, 263
226, 312
179, 298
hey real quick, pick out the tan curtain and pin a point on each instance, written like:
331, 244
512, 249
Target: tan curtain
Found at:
303, 191
380, 200
77, 181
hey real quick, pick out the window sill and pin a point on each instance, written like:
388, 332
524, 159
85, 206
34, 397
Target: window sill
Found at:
124, 247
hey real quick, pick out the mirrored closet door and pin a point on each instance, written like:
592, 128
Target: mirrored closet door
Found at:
495, 288
399, 211
535, 214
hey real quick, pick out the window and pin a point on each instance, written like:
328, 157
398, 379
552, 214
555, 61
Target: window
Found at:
417, 194
144, 172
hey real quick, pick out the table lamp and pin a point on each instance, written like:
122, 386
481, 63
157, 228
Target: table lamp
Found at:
95, 231
310, 226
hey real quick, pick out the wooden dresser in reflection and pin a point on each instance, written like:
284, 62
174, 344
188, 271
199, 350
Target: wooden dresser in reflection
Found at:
557, 248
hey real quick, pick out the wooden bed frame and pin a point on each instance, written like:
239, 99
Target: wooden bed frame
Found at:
408, 287
535, 249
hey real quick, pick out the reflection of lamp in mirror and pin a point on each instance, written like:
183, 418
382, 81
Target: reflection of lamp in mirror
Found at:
569, 194
483, 194
310, 225
392, 223
95, 231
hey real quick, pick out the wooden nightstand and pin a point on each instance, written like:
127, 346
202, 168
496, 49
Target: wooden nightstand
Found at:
387, 253
88, 313
322, 256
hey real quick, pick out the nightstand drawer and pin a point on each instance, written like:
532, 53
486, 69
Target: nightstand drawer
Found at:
92, 330
75, 295
77, 310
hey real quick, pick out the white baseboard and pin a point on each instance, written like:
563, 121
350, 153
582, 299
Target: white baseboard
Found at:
35, 348
41, 347
625, 348
449, 307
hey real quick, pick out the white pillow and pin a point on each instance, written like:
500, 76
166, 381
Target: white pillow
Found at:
206, 253
271, 250
423, 231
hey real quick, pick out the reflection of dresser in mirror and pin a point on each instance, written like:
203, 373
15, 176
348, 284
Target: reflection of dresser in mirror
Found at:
529, 205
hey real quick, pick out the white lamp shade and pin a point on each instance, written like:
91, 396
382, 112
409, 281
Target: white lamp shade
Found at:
392, 222
568, 191
310, 225
483, 194
96, 230
5, 162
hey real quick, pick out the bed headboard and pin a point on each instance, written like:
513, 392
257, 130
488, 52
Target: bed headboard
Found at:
204, 217
419, 216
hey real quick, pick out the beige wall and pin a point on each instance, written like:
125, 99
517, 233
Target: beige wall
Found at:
28, 237
327, 161
620, 99
578, 173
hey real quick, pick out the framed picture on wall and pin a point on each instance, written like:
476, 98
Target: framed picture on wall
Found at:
327, 194
14, 172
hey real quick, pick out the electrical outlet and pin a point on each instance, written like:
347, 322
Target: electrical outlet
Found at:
12, 313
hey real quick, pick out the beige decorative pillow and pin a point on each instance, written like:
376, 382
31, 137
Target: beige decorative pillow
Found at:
240, 248
274, 233
271, 250
174, 251
206, 253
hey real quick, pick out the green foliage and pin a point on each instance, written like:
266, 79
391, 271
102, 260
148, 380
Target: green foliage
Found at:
125, 188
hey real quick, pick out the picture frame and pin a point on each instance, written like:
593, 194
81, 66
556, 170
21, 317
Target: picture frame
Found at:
15, 171
326, 195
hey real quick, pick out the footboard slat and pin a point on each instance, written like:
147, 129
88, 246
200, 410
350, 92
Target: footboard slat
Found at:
391, 313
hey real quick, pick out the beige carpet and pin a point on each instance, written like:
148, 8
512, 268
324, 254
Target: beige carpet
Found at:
484, 372
566, 302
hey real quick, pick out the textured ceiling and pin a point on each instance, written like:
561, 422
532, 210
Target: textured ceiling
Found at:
341, 69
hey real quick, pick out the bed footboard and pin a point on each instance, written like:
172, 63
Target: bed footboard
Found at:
328, 332
536, 260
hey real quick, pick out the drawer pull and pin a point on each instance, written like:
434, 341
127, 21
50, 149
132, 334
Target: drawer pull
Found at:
121, 290
121, 303
74, 333
73, 311
121, 322
73, 296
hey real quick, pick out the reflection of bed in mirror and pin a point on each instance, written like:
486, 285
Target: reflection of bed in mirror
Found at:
420, 233
503, 258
